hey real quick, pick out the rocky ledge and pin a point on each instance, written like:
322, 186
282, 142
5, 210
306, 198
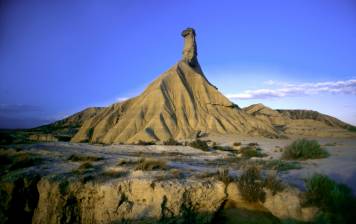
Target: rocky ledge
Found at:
79, 183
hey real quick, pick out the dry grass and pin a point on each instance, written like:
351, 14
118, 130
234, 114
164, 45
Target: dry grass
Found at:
123, 162
237, 144
224, 176
12, 160
85, 166
114, 173
251, 185
151, 164
274, 184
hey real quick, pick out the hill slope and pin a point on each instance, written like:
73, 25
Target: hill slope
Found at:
70, 125
301, 122
179, 104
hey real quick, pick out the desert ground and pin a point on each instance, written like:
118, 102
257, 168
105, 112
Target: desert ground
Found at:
340, 165
106, 173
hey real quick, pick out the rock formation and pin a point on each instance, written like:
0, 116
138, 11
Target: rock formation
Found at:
190, 51
301, 122
179, 104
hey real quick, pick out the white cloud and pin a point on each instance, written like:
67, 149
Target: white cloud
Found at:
121, 99
287, 89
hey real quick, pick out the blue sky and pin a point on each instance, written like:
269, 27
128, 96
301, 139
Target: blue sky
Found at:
59, 57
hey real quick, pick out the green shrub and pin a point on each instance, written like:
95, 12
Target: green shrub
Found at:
251, 185
151, 164
76, 158
199, 144
171, 141
304, 149
336, 201
248, 152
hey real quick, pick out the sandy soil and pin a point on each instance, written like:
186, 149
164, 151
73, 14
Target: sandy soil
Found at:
340, 166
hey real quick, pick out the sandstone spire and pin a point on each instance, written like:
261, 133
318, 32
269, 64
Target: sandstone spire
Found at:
190, 49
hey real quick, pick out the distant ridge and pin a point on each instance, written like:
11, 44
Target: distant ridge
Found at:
301, 122
70, 125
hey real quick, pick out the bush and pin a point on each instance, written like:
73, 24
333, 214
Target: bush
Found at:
281, 165
352, 128
140, 142
123, 162
336, 201
12, 160
85, 166
224, 148
304, 149
252, 144
223, 175
251, 185
237, 144
199, 145
151, 164
171, 141
114, 174
248, 152
77, 158
273, 183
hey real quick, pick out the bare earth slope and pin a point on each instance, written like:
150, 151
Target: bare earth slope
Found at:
70, 125
179, 104
301, 122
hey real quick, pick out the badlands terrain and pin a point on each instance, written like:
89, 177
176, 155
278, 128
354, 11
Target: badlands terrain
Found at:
180, 152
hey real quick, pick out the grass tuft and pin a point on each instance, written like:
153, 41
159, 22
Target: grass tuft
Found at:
199, 144
77, 158
223, 175
274, 184
171, 141
151, 164
12, 160
302, 149
237, 144
251, 185
248, 152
